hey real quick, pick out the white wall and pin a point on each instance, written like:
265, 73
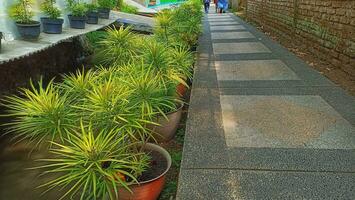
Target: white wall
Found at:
7, 25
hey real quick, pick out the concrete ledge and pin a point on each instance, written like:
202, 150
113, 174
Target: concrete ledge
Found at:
17, 49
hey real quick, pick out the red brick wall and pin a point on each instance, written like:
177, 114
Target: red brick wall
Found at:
325, 28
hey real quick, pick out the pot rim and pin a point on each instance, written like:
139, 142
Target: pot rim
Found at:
34, 23
163, 152
104, 9
177, 109
77, 17
57, 19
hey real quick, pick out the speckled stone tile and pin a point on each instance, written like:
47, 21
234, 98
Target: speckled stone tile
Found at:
305, 121
246, 70
223, 184
240, 48
227, 28
231, 35
223, 23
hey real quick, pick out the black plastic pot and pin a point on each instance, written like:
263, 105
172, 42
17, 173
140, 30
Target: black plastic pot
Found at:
77, 22
29, 31
52, 26
104, 13
92, 17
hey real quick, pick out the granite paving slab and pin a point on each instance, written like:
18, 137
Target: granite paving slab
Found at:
201, 184
231, 35
254, 70
224, 23
221, 20
240, 48
304, 121
227, 28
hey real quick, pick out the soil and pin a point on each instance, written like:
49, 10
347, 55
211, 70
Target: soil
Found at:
157, 167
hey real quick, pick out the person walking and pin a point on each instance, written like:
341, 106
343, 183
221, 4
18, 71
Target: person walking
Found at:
206, 4
215, 4
222, 6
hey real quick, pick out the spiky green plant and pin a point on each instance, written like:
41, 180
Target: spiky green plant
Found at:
118, 48
107, 3
77, 85
49, 9
77, 8
39, 114
157, 57
162, 31
148, 96
93, 163
182, 61
21, 11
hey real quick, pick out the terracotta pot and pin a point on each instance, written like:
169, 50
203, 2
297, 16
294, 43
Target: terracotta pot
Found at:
148, 190
181, 89
167, 129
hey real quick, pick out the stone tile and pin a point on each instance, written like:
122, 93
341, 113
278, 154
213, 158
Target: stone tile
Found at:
215, 184
231, 35
254, 70
227, 28
240, 48
284, 122
221, 20
223, 23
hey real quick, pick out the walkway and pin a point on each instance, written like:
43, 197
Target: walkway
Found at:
262, 124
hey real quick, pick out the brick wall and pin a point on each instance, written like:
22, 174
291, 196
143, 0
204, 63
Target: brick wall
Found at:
325, 28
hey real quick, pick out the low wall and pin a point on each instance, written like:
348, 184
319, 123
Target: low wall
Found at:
7, 25
325, 28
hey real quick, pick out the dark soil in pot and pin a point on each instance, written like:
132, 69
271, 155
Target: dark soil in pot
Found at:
157, 167
104, 13
77, 22
92, 17
52, 26
152, 181
30, 31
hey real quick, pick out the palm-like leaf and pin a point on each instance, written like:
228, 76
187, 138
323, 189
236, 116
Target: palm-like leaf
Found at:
118, 48
39, 114
92, 164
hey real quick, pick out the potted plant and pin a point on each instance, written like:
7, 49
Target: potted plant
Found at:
182, 60
154, 100
52, 23
118, 48
22, 14
158, 57
78, 10
92, 13
105, 6
97, 137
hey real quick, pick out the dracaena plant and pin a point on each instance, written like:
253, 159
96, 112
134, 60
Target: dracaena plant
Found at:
75, 86
92, 6
21, 11
148, 96
182, 61
109, 4
77, 8
49, 9
157, 57
39, 114
95, 163
118, 48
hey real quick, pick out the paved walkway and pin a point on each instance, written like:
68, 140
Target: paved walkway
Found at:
262, 124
